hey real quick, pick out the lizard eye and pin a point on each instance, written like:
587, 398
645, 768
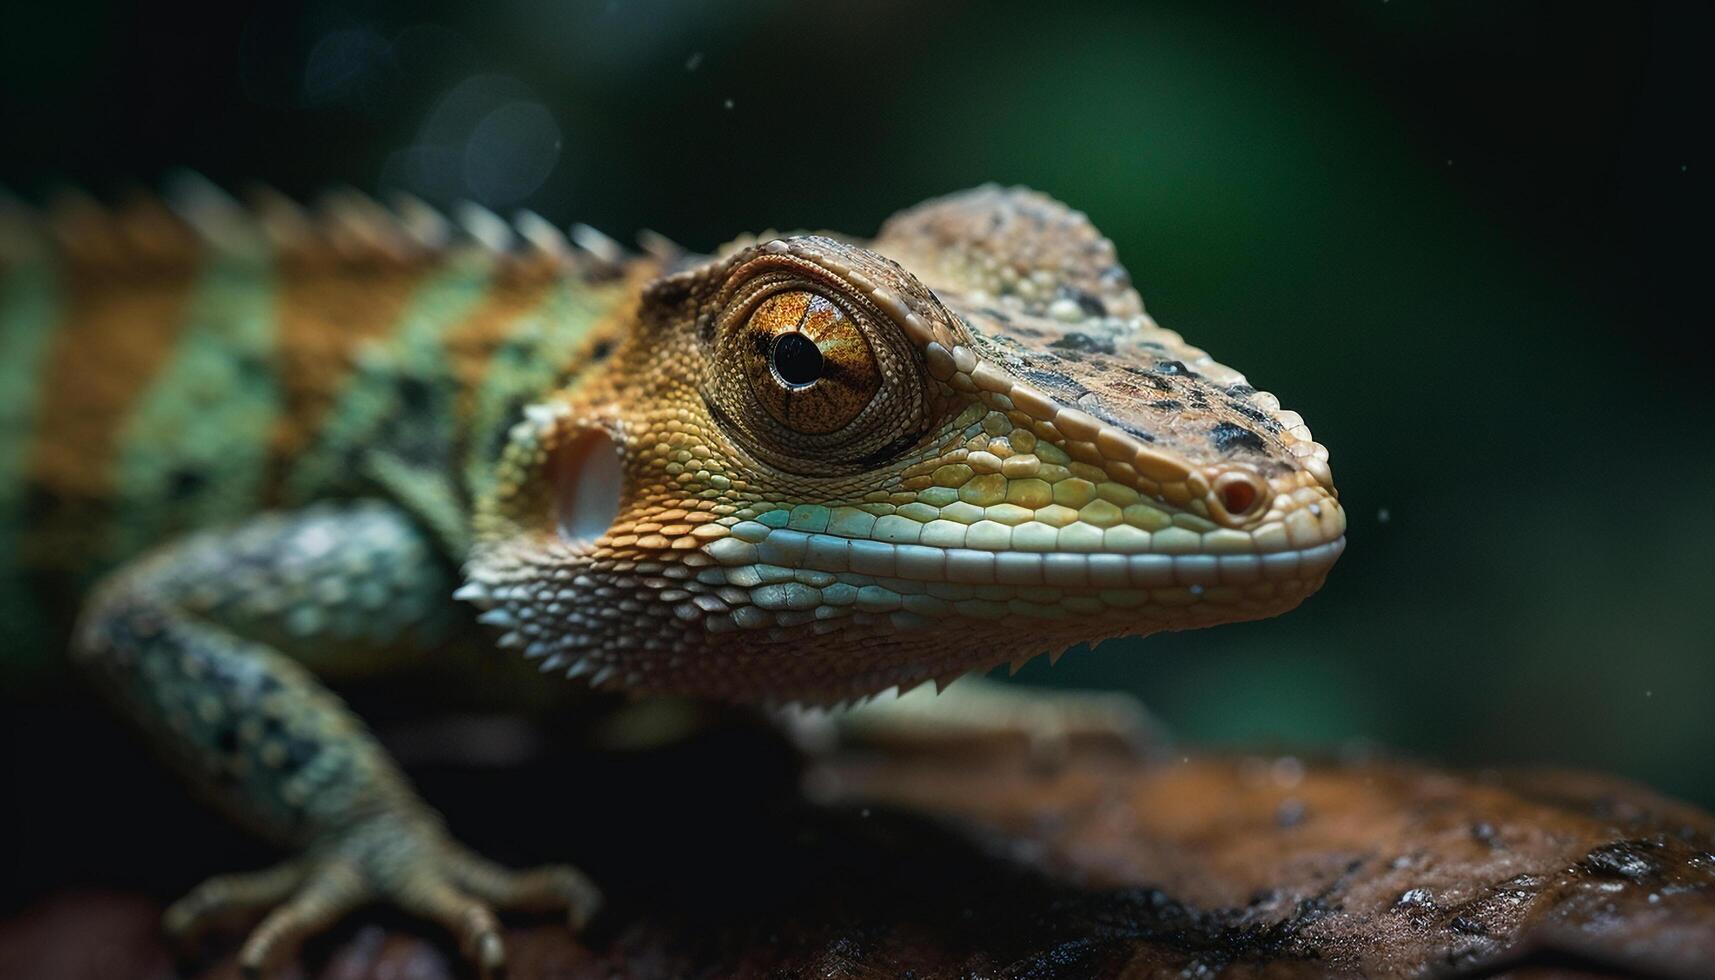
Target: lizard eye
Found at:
810, 377
808, 363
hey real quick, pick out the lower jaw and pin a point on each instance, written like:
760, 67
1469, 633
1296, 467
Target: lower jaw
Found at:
1109, 592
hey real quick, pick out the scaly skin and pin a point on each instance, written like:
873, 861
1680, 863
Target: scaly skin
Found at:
805, 470
1015, 459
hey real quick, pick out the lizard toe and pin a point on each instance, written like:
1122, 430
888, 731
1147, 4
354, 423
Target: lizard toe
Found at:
328, 892
431, 895
554, 888
226, 900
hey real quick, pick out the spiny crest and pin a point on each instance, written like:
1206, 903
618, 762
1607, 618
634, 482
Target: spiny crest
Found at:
193, 216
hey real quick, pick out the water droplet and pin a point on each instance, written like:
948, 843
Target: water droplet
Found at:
1413, 898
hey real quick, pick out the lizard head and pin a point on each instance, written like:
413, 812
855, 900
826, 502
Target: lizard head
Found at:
815, 470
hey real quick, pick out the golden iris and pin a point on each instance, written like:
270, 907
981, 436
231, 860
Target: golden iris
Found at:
808, 363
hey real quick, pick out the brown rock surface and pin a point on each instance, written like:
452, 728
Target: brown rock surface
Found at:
968, 861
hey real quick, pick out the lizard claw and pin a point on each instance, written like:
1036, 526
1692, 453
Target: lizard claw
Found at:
553, 888
415, 868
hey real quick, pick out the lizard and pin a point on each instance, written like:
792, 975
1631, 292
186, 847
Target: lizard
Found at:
249, 446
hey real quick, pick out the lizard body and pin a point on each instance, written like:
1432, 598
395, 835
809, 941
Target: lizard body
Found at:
174, 374
806, 469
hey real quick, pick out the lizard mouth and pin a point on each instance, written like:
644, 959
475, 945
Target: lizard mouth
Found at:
971, 566
1032, 574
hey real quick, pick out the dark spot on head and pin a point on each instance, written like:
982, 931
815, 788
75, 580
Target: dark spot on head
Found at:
1084, 343
1256, 415
1058, 384
1168, 404
1240, 390
601, 350
1228, 437
1092, 403
1148, 377
1092, 305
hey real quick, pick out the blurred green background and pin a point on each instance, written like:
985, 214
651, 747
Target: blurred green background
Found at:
1470, 243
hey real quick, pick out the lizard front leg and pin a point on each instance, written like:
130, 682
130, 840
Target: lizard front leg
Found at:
207, 643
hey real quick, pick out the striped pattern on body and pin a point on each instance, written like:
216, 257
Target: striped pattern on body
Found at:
161, 372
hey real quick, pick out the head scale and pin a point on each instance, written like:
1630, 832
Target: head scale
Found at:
815, 470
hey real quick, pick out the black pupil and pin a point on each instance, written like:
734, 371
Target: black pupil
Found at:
797, 360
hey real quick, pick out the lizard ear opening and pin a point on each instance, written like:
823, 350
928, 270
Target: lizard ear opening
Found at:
588, 482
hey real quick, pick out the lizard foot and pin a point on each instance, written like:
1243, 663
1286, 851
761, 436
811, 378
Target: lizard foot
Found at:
419, 871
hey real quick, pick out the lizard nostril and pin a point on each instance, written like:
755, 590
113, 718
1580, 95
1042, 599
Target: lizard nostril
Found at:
1239, 495
588, 484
